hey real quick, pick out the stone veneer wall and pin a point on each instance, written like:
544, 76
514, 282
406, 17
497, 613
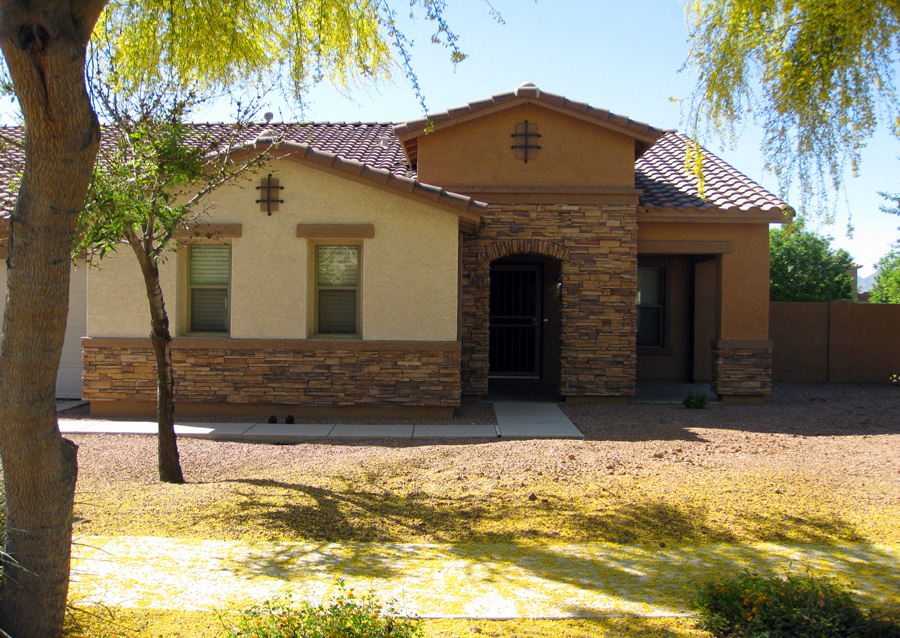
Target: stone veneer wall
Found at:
306, 373
597, 246
742, 368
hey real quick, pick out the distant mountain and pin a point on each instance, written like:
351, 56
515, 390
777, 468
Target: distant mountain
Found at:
865, 283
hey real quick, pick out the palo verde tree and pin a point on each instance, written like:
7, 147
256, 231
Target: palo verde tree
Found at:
150, 184
290, 44
803, 266
817, 75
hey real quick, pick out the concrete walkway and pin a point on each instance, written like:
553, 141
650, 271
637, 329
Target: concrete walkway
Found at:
453, 581
515, 420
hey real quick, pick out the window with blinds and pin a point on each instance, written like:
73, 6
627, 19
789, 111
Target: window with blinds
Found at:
209, 279
337, 290
650, 307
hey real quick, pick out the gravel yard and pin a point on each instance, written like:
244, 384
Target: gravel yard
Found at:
814, 464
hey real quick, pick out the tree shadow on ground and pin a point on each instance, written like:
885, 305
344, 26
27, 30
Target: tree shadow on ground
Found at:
808, 418
295, 511
346, 534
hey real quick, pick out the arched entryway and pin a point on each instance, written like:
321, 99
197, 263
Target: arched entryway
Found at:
524, 325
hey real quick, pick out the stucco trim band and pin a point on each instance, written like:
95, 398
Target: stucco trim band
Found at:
676, 247
554, 195
335, 231
712, 216
210, 231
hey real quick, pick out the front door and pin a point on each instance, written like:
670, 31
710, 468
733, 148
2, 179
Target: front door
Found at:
515, 321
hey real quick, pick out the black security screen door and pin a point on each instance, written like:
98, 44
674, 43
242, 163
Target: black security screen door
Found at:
515, 321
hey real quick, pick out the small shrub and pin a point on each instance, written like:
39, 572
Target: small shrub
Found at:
757, 606
347, 615
695, 400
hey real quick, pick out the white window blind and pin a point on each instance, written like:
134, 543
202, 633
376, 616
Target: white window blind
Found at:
210, 276
337, 289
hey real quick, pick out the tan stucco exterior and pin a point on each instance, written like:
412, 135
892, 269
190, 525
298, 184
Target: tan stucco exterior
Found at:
409, 267
117, 298
743, 273
573, 153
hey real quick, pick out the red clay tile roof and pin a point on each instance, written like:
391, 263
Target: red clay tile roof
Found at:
372, 151
667, 185
364, 149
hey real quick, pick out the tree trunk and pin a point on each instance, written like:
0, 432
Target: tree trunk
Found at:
44, 47
169, 465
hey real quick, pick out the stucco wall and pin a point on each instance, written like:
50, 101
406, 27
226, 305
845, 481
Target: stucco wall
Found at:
743, 308
117, 298
572, 153
409, 268
68, 379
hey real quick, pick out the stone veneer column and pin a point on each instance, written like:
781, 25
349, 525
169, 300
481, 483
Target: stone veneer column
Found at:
742, 370
597, 246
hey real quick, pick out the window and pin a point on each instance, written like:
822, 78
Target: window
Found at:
209, 279
337, 290
650, 300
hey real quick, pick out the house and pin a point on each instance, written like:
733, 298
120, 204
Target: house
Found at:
68, 379
397, 269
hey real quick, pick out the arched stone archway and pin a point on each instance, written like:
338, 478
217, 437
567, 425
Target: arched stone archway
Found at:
543, 247
595, 246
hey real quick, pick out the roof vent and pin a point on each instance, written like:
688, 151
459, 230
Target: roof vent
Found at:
384, 141
268, 117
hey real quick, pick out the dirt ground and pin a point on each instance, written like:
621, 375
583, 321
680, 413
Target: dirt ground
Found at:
813, 464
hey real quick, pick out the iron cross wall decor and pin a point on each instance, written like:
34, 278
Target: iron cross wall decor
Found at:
270, 188
526, 133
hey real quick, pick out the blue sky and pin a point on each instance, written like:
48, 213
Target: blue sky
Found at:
620, 56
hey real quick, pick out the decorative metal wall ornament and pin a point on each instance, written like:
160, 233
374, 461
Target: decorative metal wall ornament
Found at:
525, 148
269, 187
